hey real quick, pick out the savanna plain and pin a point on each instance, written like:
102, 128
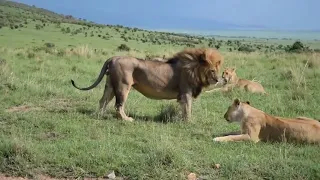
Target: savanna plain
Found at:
49, 127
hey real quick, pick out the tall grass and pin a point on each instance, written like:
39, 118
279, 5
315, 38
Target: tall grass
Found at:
53, 129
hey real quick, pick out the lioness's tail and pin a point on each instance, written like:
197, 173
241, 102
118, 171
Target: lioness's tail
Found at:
103, 71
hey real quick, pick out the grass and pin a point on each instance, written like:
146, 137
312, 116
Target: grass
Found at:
49, 127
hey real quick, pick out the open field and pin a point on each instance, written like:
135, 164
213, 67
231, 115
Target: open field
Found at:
49, 127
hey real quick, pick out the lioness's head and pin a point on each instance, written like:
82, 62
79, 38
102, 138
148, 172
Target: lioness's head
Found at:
235, 111
228, 74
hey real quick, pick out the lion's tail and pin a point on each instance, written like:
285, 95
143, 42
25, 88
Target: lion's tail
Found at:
104, 71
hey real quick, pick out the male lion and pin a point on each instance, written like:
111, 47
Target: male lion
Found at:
230, 76
257, 125
181, 77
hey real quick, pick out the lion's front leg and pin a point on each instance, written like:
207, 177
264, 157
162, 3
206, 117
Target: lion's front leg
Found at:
185, 101
241, 137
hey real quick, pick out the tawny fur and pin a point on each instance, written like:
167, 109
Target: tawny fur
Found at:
181, 77
257, 125
230, 76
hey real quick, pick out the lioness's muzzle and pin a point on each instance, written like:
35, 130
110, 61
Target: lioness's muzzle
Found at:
219, 82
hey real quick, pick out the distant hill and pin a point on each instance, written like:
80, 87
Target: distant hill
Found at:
147, 22
23, 11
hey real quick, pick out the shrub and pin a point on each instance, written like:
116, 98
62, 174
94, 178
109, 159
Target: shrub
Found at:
297, 47
49, 45
317, 50
38, 26
31, 55
244, 48
61, 53
123, 47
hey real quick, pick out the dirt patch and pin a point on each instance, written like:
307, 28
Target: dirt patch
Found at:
43, 177
52, 105
40, 177
58, 105
22, 108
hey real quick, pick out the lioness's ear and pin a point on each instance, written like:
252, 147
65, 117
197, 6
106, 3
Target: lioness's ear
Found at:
233, 69
236, 102
248, 102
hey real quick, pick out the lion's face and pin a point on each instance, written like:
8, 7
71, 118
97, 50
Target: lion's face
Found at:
235, 111
228, 74
212, 63
202, 65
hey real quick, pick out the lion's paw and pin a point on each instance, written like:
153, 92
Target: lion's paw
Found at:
130, 119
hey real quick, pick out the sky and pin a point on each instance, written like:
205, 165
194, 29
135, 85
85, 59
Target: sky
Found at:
272, 14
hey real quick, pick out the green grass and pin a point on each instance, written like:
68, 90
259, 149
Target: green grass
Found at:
58, 133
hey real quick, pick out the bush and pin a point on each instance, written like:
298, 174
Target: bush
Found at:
123, 47
31, 55
317, 50
61, 53
297, 47
245, 49
49, 45
38, 26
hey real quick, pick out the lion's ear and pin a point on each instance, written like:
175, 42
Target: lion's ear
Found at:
248, 102
203, 59
233, 69
236, 102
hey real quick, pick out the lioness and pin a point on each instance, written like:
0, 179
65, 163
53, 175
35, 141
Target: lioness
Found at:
230, 76
257, 125
180, 77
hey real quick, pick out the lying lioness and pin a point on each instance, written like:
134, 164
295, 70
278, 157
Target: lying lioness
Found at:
257, 125
230, 76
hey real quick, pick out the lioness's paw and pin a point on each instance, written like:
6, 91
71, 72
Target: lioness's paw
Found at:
218, 139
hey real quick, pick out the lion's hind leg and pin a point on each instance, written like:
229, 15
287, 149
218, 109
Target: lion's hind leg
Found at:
121, 96
108, 95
